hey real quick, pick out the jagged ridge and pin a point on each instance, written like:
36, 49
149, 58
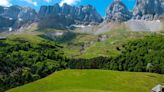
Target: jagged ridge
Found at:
15, 16
66, 15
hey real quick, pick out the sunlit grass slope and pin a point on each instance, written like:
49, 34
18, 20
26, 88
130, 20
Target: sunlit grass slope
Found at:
93, 81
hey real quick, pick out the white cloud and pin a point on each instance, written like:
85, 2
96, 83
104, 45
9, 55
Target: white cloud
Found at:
5, 3
31, 2
70, 2
48, 1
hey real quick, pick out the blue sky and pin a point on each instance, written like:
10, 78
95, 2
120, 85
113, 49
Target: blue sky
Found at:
100, 5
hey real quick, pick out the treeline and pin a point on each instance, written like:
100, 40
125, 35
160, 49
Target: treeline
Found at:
141, 55
94, 63
22, 62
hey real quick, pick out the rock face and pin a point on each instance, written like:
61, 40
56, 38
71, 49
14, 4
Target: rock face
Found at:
148, 9
14, 17
66, 15
117, 11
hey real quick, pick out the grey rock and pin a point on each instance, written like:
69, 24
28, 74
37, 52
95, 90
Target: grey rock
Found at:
148, 9
117, 11
67, 15
15, 16
49, 10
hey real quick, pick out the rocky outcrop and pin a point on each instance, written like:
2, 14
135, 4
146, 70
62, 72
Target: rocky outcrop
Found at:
66, 15
117, 11
143, 10
148, 9
14, 17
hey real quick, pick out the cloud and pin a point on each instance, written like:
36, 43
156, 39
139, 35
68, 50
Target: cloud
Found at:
70, 2
48, 1
31, 2
5, 3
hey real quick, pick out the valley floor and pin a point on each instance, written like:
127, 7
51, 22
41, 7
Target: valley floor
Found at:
93, 81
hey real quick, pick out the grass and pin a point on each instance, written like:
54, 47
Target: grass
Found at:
116, 37
93, 81
73, 48
73, 42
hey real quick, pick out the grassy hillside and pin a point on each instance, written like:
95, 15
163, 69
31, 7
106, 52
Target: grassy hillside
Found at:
94, 48
93, 81
115, 39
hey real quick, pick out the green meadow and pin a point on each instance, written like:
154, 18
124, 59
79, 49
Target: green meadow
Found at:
93, 81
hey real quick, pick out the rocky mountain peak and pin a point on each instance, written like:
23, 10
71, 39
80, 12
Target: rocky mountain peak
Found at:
14, 17
73, 15
148, 9
117, 11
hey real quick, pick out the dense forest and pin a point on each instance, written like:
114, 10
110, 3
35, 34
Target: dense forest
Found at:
142, 55
22, 61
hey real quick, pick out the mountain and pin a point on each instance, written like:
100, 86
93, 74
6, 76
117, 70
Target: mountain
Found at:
148, 9
144, 9
117, 11
15, 17
66, 15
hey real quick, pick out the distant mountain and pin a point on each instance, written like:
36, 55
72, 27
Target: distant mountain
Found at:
148, 9
63, 17
143, 10
14, 17
117, 11
66, 15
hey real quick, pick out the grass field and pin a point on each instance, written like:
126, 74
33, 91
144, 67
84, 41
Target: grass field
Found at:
93, 81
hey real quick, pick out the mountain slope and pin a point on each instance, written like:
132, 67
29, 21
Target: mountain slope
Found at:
93, 81
104, 44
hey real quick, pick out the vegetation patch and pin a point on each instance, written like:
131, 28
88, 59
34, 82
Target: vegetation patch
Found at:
22, 61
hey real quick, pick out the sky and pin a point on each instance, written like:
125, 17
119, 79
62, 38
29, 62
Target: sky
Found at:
100, 5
